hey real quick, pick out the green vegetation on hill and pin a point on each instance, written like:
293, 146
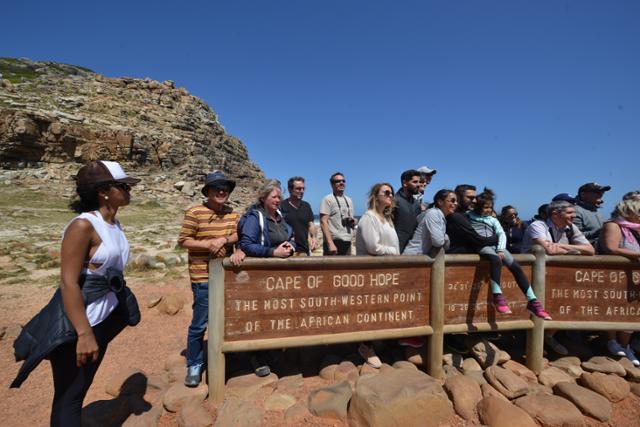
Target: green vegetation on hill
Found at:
18, 70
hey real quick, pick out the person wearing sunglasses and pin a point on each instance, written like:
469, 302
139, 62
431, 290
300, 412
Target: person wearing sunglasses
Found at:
513, 228
337, 218
406, 207
208, 231
376, 235
93, 304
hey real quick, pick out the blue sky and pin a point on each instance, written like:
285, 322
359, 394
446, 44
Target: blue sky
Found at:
530, 98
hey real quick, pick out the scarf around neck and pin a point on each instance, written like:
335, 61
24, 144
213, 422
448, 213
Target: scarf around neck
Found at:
626, 227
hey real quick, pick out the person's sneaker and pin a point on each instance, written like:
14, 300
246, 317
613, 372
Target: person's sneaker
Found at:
501, 304
194, 373
260, 368
535, 307
554, 345
631, 356
369, 356
414, 342
615, 348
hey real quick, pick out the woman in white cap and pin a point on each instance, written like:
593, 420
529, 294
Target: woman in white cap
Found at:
93, 303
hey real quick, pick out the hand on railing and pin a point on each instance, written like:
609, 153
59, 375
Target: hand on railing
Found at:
237, 257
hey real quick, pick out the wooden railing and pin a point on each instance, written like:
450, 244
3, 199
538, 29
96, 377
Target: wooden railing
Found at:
274, 303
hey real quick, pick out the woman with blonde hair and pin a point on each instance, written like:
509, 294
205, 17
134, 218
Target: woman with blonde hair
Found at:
621, 236
376, 234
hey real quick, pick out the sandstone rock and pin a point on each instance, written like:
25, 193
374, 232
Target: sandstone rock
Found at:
610, 386
246, 385
633, 373
290, 385
135, 379
570, 364
551, 411
153, 301
589, 402
497, 412
487, 353
477, 376
279, 402
490, 391
635, 388
330, 402
178, 185
346, 371
465, 394
399, 397
366, 369
296, 412
194, 415
177, 373
470, 364
520, 370
449, 371
403, 364
604, 364
236, 412
178, 396
328, 365
328, 372
506, 382
171, 304
552, 376
144, 261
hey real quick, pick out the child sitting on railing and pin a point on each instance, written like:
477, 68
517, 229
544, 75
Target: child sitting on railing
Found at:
486, 225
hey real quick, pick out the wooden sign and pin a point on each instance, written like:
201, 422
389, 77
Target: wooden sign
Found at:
263, 304
608, 294
468, 298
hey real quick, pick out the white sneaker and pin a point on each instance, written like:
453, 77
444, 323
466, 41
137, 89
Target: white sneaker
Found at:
615, 348
551, 342
631, 356
369, 356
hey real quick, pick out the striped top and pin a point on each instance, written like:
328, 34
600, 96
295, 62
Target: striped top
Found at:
201, 223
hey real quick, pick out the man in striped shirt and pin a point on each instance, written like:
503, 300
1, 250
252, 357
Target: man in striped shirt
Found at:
208, 231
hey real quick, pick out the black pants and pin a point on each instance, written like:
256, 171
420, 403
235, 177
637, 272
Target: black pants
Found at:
495, 271
72, 383
343, 247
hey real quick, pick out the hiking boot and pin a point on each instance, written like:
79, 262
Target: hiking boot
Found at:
554, 345
369, 356
194, 373
631, 356
616, 349
500, 304
535, 307
413, 342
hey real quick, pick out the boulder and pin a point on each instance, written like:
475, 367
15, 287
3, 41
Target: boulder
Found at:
346, 371
570, 364
366, 369
633, 372
506, 382
489, 390
604, 364
449, 371
194, 415
329, 365
399, 397
295, 413
551, 411
279, 402
154, 300
465, 393
403, 364
589, 402
470, 364
236, 412
477, 376
245, 386
521, 371
179, 395
486, 353
635, 388
551, 376
610, 386
290, 385
496, 412
330, 402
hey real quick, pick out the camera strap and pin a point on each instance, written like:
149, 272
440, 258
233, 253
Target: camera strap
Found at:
340, 207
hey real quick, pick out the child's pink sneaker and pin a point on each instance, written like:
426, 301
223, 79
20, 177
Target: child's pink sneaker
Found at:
536, 308
501, 304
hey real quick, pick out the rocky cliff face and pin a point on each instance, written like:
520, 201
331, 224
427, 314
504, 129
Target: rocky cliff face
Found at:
52, 113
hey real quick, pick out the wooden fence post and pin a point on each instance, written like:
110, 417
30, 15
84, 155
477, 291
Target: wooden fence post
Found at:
435, 342
215, 358
535, 336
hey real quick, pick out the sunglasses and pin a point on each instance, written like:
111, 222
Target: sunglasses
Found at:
220, 188
339, 181
122, 186
386, 193
298, 188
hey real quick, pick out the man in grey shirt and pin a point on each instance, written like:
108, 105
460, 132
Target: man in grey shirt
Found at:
588, 219
337, 219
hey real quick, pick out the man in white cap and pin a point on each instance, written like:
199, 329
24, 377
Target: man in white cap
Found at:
426, 174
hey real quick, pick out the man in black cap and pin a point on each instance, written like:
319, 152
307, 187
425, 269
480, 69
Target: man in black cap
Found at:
588, 219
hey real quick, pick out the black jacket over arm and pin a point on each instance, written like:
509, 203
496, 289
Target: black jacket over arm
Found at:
463, 237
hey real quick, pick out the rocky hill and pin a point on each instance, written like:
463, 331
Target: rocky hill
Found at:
54, 116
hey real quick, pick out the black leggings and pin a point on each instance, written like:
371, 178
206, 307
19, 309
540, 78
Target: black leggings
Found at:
495, 272
72, 383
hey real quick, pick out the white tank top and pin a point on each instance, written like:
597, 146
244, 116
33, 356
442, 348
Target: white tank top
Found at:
113, 252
